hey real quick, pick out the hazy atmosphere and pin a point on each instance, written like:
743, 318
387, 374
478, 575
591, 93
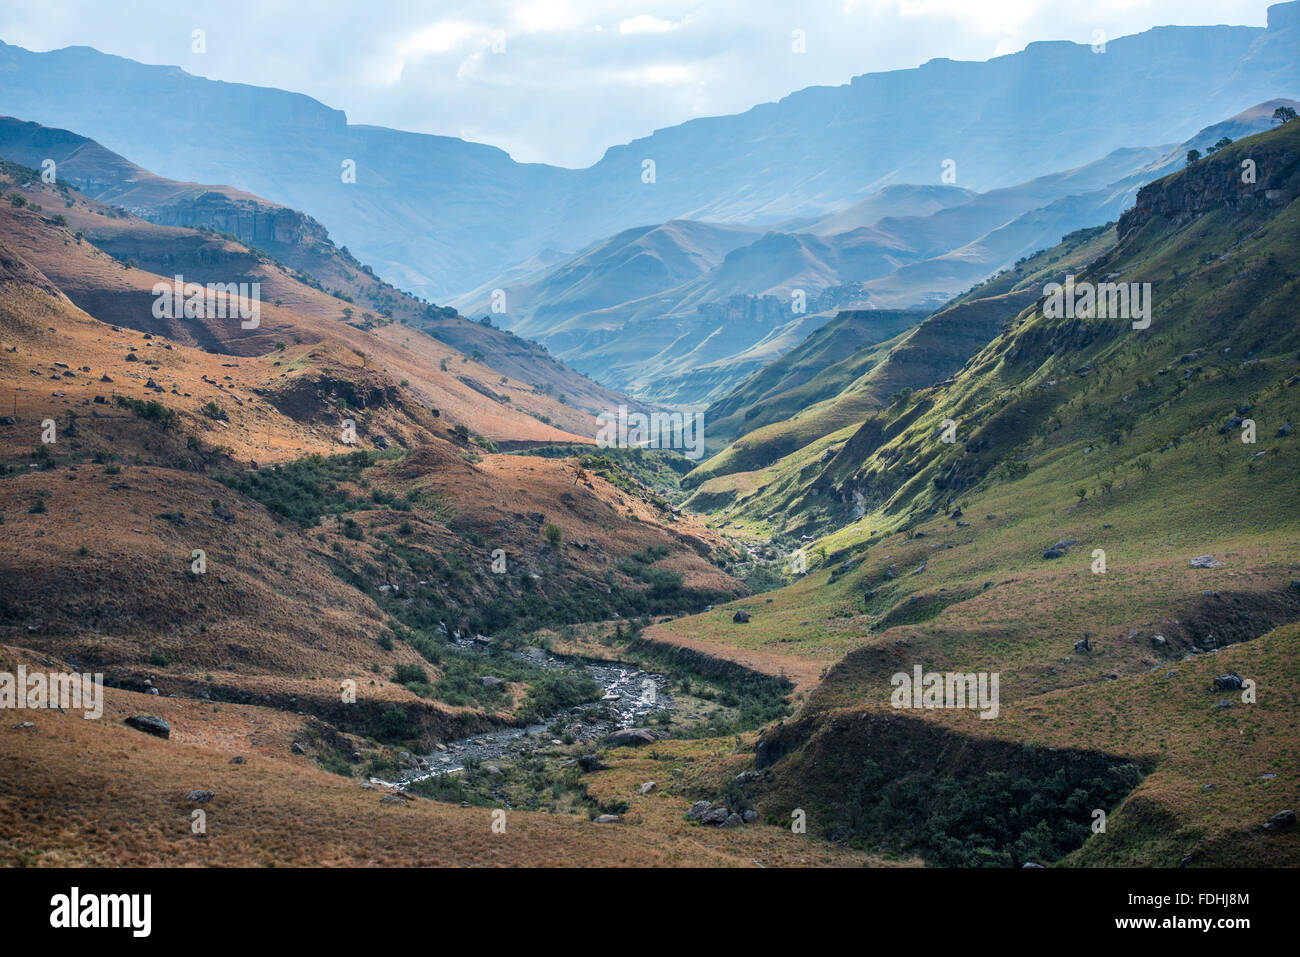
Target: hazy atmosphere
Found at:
664, 437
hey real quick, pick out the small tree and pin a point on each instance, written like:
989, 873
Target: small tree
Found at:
553, 534
1193, 155
1283, 114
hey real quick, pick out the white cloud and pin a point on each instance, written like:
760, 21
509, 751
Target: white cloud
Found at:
576, 76
534, 16
644, 23
436, 38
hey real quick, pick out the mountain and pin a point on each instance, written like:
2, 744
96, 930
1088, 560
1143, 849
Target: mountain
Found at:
290, 237
1095, 509
428, 211
182, 512
893, 201
608, 312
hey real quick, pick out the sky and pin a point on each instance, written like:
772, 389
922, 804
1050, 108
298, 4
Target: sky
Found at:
559, 81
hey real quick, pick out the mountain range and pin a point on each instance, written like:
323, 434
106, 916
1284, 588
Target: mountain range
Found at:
439, 216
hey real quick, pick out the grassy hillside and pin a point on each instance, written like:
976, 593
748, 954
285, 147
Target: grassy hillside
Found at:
1052, 544
123, 193
867, 385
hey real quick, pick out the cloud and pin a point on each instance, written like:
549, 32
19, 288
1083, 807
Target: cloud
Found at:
568, 79
644, 23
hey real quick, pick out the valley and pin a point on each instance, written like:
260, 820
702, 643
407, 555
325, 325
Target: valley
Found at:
374, 581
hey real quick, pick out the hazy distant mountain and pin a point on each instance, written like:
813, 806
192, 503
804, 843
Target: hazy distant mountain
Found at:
613, 312
441, 216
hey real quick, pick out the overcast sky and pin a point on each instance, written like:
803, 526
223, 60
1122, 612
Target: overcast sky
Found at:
558, 81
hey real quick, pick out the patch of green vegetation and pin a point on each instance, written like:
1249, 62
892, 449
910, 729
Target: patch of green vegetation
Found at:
147, 409
304, 490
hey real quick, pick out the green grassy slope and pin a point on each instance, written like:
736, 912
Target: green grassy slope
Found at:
1126, 441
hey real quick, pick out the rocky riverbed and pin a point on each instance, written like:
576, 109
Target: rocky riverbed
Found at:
630, 697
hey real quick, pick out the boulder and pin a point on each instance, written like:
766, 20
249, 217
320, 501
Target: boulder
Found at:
697, 810
1229, 682
490, 681
633, 737
1280, 820
741, 617
647, 787
589, 763
199, 797
716, 816
750, 816
607, 819
150, 724
1083, 644
1206, 561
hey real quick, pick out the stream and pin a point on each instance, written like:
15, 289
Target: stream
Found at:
629, 696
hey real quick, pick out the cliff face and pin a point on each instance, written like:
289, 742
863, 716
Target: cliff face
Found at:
256, 224
1222, 179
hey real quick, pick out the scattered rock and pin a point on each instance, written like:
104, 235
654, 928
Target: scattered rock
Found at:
489, 681
647, 787
1280, 820
223, 513
607, 819
237, 759
1083, 644
1206, 561
697, 809
632, 736
1031, 864
589, 763
1285, 429
150, 724
297, 748
199, 797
